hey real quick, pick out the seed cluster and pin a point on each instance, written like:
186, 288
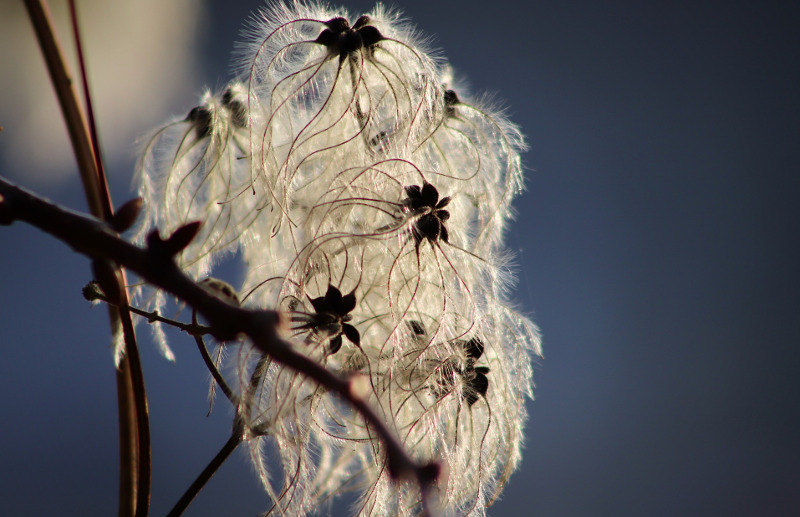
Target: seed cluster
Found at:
343, 161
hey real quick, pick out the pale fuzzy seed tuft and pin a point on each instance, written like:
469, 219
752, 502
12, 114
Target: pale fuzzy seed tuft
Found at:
367, 197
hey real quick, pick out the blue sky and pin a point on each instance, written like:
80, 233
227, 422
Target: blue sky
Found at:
656, 247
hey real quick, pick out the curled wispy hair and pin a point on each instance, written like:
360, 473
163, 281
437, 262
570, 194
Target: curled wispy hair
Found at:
326, 85
367, 197
195, 168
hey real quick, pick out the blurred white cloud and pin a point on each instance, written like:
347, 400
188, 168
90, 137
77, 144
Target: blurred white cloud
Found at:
140, 58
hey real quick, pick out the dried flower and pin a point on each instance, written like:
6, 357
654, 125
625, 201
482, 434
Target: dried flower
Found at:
330, 319
318, 166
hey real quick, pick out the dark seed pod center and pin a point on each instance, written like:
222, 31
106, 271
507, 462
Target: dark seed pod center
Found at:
237, 109
342, 40
330, 318
450, 101
200, 117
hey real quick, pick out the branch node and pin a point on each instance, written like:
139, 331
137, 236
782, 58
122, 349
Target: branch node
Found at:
126, 215
429, 474
107, 280
176, 242
92, 292
359, 387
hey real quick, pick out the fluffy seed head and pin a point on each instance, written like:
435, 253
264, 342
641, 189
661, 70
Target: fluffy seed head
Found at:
367, 199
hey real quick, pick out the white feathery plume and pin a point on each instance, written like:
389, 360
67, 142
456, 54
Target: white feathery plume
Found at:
368, 199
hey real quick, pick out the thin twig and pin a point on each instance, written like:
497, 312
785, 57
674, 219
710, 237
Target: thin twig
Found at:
133, 414
87, 97
193, 329
70, 110
207, 473
215, 373
155, 264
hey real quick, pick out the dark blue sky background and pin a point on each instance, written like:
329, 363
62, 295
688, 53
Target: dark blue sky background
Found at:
657, 248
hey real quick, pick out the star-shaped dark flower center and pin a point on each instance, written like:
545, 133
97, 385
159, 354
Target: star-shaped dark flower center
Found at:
202, 117
424, 203
236, 107
476, 383
450, 101
343, 40
330, 318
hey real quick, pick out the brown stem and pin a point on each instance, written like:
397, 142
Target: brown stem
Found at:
193, 329
128, 442
87, 97
207, 473
133, 413
156, 265
215, 373
70, 110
